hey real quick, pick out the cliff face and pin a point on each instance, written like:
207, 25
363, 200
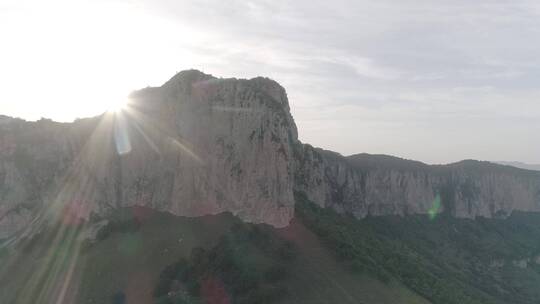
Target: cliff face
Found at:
196, 145
379, 185
331, 180
202, 145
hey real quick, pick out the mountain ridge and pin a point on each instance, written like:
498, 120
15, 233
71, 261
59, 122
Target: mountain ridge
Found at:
204, 145
520, 165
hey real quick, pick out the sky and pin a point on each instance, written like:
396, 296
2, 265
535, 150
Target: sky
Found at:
435, 81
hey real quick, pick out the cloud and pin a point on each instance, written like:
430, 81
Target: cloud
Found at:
429, 80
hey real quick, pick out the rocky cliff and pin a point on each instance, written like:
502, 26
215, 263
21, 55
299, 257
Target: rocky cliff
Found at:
203, 145
366, 184
196, 145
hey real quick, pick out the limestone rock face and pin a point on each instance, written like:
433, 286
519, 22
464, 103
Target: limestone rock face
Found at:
196, 145
202, 145
380, 185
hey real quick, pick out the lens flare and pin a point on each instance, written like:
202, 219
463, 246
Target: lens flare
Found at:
63, 227
435, 207
121, 135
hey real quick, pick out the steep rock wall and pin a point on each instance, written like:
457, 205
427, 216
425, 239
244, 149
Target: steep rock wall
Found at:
380, 185
196, 145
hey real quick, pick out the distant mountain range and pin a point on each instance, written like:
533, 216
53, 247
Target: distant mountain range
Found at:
520, 165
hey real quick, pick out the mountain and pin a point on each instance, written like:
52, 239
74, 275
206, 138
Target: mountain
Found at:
366, 184
202, 145
196, 145
200, 192
535, 167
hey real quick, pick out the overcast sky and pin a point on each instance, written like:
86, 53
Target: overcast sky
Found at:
436, 81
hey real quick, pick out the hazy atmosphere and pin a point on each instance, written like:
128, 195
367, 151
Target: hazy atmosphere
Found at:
416, 79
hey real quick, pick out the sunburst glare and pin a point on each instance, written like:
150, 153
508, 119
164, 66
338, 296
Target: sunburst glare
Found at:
117, 105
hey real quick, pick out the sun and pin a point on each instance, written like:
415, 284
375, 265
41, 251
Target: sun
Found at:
117, 105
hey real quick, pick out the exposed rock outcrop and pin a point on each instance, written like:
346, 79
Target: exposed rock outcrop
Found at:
196, 145
202, 145
366, 184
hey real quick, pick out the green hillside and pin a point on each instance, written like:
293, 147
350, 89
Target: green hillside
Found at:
444, 259
143, 256
125, 264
